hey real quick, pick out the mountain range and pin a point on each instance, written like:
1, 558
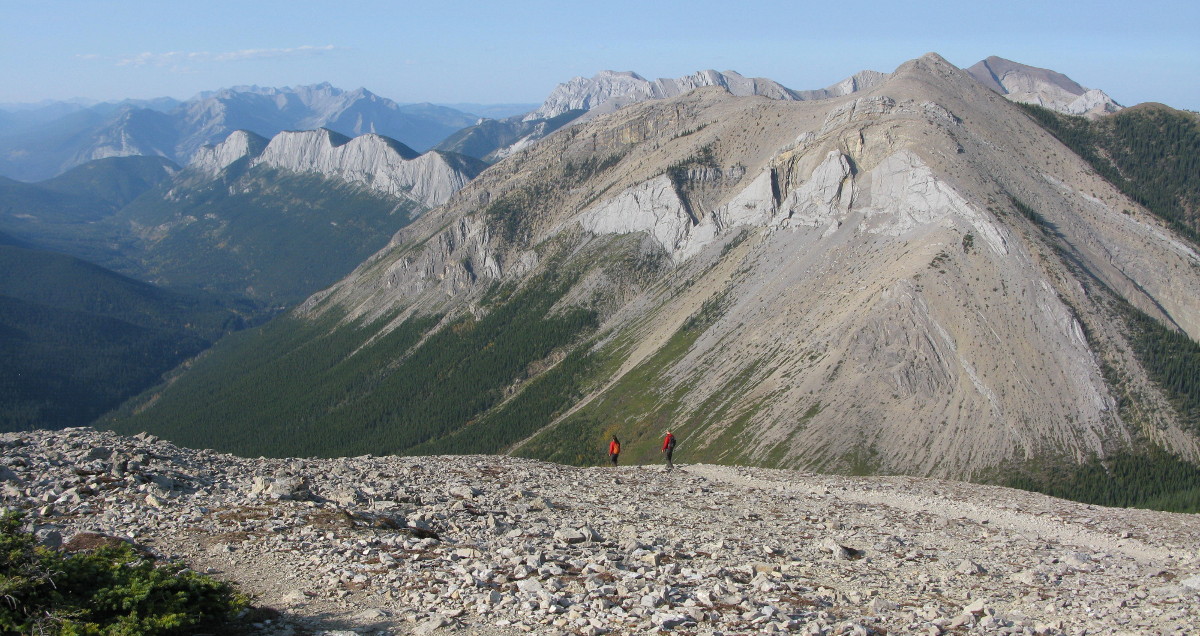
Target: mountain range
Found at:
245, 217
581, 98
930, 271
120, 269
39, 143
915, 276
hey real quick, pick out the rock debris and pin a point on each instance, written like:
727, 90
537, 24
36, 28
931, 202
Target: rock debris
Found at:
499, 545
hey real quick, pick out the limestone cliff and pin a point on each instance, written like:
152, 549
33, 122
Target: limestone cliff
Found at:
370, 160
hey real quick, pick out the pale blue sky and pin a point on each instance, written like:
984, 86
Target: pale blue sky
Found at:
517, 51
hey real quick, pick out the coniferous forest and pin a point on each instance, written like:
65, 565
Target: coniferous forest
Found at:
396, 394
1152, 153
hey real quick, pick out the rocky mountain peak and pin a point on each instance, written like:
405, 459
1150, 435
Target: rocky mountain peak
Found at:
212, 159
1043, 87
374, 161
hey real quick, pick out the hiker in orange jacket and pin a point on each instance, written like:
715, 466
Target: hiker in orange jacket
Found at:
668, 448
614, 450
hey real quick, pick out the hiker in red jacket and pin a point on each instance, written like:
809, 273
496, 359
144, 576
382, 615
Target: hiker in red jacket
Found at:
668, 448
614, 450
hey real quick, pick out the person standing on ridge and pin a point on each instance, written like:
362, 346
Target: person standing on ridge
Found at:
668, 448
614, 450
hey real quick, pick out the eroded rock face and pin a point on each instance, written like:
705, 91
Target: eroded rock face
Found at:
653, 207
239, 144
493, 545
371, 160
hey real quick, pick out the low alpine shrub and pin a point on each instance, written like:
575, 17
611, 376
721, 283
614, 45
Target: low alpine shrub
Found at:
112, 590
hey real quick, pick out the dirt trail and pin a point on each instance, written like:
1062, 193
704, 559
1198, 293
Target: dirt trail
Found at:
1059, 521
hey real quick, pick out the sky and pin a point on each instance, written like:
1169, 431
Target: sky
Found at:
517, 51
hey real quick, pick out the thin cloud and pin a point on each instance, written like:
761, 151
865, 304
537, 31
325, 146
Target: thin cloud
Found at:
255, 54
175, 58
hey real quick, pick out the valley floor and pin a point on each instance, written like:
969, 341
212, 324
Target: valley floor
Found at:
497, 545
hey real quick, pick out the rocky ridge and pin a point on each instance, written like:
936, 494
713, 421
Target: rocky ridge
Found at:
582, 99
613, 89
496, 545
375, 161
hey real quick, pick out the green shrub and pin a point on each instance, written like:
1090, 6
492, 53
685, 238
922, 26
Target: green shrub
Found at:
112, 590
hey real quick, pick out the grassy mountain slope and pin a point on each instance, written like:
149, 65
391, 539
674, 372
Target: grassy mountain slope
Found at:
114, 182
68, 213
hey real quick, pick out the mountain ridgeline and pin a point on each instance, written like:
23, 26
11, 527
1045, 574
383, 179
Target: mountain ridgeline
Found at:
38, 146
913, 277
123, 268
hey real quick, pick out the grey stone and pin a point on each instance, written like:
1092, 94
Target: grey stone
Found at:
570, 535
967, 566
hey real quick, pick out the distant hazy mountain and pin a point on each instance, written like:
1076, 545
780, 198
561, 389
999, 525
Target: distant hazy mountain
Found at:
1041, 87
268, 111
15, 117
581, 99
493, 111
35, 145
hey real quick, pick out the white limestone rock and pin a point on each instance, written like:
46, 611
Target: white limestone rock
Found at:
370, 160
212, 159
